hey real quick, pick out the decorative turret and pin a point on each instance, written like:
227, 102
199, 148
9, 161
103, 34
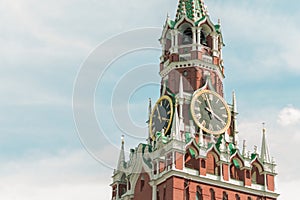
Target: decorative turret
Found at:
121, 161
176, 125
264, 155
234, 120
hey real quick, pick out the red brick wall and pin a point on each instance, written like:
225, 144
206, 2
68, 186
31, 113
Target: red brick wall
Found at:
167, 188
210, 164
225, 172
179, 161
145, 192
270, 182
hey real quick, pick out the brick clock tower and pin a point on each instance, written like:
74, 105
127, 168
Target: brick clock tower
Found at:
192, 152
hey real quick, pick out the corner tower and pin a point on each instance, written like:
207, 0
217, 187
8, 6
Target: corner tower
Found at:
192, 151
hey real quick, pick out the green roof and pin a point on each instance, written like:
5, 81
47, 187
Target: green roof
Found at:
193, 9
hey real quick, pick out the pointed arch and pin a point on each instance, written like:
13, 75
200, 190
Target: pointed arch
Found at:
212, 158
257, 176
185, 34
190, 158
236, 166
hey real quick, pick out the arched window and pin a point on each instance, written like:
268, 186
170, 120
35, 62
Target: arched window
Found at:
187, 190
249, 198
203, 164
165, 191
187, 36
203, 38
237, 197
199, 195
225, 196
157, 195
142, 183
212, 194
235, 170
256, 177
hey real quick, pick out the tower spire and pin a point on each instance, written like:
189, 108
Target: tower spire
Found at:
175, 125
264, 155
234, 122
181, 102
193, 9
121, 161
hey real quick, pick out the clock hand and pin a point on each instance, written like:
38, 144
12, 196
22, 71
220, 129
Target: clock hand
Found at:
218, 118
163, 118
159, 117
208, 103
210, 112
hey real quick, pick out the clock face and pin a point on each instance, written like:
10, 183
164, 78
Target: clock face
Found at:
161, 116
210, 112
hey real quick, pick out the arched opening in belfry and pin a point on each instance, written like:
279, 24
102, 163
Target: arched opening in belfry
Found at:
187, 37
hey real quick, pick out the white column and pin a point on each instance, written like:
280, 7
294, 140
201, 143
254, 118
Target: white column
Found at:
215, 44
176, 41
117, 195
194, 38
199, 38
172, 42
154, 189
266, 184
221, 172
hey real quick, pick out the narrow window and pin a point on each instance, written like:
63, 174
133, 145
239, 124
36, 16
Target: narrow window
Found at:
142, 183
199, 195
225, 196
187, 188
212, 194
165, 191
237, 197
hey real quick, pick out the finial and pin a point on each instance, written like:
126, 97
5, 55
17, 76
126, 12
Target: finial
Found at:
219, 21
264, 127
122, 139
244, 149
255, 149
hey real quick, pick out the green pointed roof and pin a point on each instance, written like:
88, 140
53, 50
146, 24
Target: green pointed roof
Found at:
193, 9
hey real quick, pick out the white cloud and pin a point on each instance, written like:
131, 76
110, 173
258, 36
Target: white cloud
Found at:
289, 116
66, 175
269, 39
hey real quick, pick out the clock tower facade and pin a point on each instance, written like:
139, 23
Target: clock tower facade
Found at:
192, 151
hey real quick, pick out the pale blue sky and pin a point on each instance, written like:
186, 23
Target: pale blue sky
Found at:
44, 43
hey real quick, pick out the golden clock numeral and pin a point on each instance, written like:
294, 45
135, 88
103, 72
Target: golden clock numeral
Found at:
203, 123
222, 108
210, 127
211, 97
218, 127
217, 101
199, 102
197, 109
198, 116
225, 116
169, 112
